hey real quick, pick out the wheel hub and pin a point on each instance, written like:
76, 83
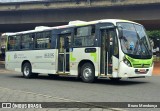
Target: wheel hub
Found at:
26, 71
87, 72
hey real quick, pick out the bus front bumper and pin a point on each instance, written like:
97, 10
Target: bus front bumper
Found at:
125, 71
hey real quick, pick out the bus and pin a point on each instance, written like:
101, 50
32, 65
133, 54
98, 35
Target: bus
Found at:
109, 48
3, 44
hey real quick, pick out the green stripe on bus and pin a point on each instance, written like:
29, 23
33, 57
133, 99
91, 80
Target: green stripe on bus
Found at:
95, 56
8, 57
137, 62
71, 57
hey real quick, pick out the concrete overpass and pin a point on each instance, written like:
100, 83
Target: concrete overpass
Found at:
25, 16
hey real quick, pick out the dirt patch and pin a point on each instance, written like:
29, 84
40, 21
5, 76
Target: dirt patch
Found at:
156, 69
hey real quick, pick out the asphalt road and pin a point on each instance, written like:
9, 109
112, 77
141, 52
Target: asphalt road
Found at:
126, 90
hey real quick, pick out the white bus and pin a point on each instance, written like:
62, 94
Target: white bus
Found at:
107, 48
3, 43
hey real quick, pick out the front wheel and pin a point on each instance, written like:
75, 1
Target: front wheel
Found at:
88, 73
27, 70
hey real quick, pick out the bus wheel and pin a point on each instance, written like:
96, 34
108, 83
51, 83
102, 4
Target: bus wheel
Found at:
87, 73
27, 71
114, 79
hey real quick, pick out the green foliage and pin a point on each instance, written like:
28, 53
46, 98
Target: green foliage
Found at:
155, 36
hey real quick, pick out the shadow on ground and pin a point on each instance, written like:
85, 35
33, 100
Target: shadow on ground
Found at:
121, 82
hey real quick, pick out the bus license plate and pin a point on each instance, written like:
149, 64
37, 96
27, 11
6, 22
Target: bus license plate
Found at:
142, 70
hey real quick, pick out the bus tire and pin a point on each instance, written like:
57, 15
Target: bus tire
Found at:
88, 73
27, 70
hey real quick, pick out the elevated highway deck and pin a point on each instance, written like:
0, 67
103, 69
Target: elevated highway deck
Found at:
27, 15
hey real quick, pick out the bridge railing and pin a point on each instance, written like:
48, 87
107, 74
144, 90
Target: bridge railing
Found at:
24, 1
78, 1
55, 4
48, 1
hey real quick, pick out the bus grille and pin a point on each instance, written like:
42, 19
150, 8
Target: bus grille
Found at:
141, 65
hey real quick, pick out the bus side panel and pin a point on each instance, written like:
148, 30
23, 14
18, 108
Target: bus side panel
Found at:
42, 61
115, 67
79, 54
12, 62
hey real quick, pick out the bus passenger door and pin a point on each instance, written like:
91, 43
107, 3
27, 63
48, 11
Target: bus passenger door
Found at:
63, 53
107, 50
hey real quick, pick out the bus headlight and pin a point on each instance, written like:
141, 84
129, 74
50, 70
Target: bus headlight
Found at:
127, 62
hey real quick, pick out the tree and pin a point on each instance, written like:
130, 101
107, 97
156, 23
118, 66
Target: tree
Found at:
155, 36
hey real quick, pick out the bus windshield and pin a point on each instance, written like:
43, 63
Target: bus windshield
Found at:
134, 41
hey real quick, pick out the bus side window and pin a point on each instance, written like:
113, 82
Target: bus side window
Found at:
53, 41
31, 44
43, 40
113, 42
115, 46
92, 37
84, 36
48, 39
14, 43
26, 42
10, 43
38, 40
78, 42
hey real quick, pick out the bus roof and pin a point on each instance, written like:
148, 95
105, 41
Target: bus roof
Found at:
114, 21
8, 34
72, 24
42, 28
